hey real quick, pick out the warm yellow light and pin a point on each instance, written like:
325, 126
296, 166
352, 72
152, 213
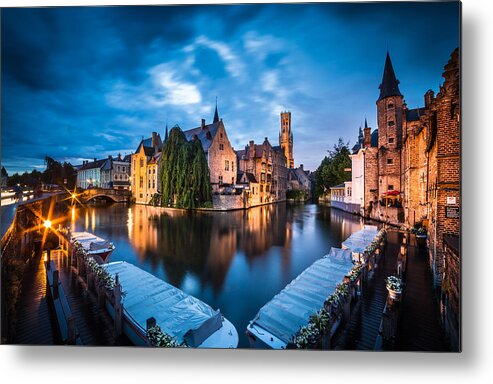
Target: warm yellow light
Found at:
47, 224
74, 195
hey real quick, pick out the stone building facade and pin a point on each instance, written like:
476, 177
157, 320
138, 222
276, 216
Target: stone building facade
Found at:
145, 169
257, 159
220, 155
412, 177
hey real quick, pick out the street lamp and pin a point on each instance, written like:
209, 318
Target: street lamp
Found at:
47, 224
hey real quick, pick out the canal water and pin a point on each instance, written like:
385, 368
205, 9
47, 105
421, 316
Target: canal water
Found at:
234, 261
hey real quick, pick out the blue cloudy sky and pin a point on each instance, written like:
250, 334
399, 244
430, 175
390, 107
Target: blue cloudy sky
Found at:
85, 82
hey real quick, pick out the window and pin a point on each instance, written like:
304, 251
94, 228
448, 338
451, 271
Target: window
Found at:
221, 135
141, 163
141, 195
123, 169
390, 187
390, 123
221, 147
141, 182
232, 166
220, 179
232, 180
390, 161
390, 106
391, 140
261, 188
226, 165
149, 184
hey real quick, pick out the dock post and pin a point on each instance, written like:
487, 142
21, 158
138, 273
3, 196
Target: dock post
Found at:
117, 290
101, 290
56, 281
347, 310
150, 322
71, 330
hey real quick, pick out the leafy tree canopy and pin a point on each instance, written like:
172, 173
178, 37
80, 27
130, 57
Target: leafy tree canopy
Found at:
332, 168
55, 173
184, 176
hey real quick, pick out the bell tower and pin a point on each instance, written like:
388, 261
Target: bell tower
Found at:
389, 117
286, 138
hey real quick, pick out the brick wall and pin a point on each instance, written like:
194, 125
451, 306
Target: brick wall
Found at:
219, 153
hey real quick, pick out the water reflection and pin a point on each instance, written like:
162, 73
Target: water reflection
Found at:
235, 261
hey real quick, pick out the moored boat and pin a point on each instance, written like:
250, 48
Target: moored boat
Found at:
94, 245
185, 318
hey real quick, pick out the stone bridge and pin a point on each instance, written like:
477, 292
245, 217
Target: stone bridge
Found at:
114, 195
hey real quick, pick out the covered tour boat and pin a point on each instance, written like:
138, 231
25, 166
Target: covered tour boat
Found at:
94, 245
187, 319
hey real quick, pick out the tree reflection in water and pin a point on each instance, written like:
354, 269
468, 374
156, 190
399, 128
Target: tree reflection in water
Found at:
235, 261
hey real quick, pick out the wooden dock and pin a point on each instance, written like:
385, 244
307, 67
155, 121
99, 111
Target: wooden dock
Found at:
362, 330
420, 328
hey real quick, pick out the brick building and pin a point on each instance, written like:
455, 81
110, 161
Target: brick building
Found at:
257, 159
220, 155
415, 171
286, 138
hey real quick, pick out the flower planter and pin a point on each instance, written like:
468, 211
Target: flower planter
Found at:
394, 295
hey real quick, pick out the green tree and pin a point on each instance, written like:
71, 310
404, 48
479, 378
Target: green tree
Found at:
184, 177
332, 169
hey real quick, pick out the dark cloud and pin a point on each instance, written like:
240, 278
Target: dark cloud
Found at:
60, 65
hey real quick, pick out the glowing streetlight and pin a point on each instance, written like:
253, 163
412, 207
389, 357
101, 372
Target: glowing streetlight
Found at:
47, 224
74, 195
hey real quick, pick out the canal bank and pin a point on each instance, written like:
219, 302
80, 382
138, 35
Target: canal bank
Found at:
236, 261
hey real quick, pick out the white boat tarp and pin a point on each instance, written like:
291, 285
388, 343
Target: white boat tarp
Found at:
98, 245
359, 241
180, 315
305, 295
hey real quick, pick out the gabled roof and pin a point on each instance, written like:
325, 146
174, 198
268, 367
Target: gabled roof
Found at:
93, 164
205, 135
414, 114
390, 84
373, 142
249, 176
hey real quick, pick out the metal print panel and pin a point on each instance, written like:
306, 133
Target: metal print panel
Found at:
271, 176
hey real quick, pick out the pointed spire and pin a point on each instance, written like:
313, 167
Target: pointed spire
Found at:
390, 84
216, 115
166, 133
366, 123
360, 135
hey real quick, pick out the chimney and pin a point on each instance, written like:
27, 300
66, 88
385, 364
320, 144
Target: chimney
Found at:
202, 124
429, 97
252, 149
154, 139
367, 137
301, 167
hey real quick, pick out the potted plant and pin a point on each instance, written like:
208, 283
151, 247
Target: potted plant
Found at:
395, 286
